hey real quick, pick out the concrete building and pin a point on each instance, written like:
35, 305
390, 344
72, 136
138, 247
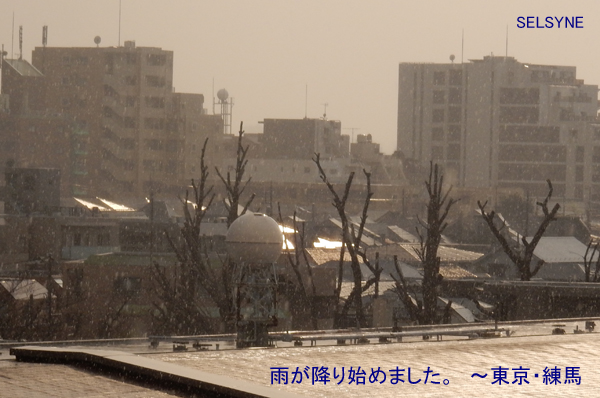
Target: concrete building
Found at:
497, 122
302, 138
124, 132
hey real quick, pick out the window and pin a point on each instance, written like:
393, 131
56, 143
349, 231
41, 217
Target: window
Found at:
154, 145
156, 59
155, 81
454, 114
172, 146
127, 143
129, 122
455, 77
154, 123
153, 165
519, 114
580, 151
439, 78
454, 95
128, 285
130, 101
103, 239
453, 152
437, 153
109, 66
29, 183
519, 96
579, 173
437, 134
131, 58
109, 91
437, 116
454, 132
130, 80
155, 102
439, 97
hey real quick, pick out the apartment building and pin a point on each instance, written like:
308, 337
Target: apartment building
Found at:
125, 131
500, 123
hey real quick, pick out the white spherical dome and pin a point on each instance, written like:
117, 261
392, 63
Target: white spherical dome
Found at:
222, 95
254, 238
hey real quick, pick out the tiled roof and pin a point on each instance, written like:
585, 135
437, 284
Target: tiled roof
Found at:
451, 271
322, 256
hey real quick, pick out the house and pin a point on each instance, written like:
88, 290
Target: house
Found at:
563, 258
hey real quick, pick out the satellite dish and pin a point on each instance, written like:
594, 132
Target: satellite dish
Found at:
97, 40
452, 57
222, 94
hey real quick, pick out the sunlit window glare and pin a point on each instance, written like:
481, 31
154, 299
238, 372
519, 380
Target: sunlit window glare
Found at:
327, 244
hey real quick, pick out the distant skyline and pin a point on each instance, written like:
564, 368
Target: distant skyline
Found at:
266, 52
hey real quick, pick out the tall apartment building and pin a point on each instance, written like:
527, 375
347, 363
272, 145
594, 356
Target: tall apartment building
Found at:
497, 122
128, 133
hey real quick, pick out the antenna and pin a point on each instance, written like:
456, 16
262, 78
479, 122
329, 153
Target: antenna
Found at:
12, 44
45, 36
20, 42
462, 47
119, 24
306, 102
325, 111
506, 55
352, 132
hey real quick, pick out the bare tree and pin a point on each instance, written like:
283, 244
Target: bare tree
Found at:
408, 295
352, 242
235, 188
295, 260
522, 257
438, 207
588, 260
178, 289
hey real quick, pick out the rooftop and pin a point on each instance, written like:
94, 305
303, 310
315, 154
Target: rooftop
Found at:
23, 67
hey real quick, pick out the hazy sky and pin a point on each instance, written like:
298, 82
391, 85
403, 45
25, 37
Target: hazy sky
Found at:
347, 52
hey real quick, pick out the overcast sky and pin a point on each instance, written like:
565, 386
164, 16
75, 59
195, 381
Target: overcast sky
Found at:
265, 52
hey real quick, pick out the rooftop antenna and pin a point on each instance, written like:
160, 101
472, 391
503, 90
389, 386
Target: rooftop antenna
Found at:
12, 44
506, 55
119, 24
462, 46
45, 35
352, 132
306, 102
325, 105
21, 43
